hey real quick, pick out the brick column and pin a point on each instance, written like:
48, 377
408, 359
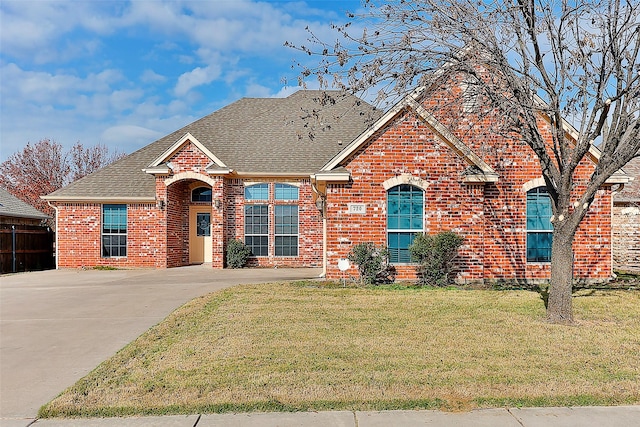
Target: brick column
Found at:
217, 222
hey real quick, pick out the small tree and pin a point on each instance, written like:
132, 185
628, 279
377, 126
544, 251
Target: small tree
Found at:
237, 254
44, 167
372, 262
435, 255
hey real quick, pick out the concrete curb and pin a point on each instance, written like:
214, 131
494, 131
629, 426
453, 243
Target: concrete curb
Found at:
588, 416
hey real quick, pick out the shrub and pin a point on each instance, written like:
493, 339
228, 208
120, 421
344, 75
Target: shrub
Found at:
237, 254
435, 255
372, 262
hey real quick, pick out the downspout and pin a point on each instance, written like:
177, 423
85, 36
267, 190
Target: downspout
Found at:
322, 209
55, 208
613, 192
13, 249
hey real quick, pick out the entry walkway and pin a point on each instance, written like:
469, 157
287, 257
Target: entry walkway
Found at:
57, 325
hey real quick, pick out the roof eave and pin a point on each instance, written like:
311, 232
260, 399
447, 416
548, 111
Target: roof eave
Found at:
94, 199
332, 177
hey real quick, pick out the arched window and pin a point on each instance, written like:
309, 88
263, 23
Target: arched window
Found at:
405, 213
539, 227
201, 194
256, 192
286, 192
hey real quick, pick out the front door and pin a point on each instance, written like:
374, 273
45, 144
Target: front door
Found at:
200, 244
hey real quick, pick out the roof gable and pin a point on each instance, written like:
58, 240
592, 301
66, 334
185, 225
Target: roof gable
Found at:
411, 103
177, 146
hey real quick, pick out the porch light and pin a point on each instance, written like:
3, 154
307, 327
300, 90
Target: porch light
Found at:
321, 203
217, 203
160, 204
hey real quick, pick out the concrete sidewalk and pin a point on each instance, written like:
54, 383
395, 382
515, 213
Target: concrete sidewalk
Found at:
614, 416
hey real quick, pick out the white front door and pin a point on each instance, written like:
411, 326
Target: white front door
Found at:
200, 243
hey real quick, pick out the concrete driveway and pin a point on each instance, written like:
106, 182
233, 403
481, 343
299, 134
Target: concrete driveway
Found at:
56, 326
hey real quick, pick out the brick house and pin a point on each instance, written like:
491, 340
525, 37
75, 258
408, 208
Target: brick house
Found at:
626, 222
302, 179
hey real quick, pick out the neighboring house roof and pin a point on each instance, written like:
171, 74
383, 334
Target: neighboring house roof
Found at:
631, 191
11, 206
268, 136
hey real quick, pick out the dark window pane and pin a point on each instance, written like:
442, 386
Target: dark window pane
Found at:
201, 194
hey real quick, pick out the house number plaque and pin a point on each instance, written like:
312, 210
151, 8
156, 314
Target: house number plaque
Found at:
357, 208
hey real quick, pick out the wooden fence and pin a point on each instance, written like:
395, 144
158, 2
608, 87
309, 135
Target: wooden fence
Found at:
26, 248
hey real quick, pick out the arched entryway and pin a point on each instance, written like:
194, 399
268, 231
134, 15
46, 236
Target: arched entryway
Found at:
190, 219
200, 243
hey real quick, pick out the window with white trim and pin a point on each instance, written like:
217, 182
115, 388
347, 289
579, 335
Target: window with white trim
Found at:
114, 231
286, 230
405, 214
539, 227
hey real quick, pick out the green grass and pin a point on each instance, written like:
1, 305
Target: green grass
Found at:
305, 346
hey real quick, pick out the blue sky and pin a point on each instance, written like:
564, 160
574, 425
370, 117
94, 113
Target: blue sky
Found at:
124, 73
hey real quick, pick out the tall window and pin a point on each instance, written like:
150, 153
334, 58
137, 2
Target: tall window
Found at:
286, 232
114, 231
201, 194
286, 221
405, 211
256, 219
256, 229
539, 227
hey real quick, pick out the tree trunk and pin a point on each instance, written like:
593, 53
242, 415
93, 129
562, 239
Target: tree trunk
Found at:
560, 308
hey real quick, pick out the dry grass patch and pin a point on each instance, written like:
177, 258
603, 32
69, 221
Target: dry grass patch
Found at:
292, 347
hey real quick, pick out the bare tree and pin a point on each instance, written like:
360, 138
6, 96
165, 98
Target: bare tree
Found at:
44, 167
86, 160
562, 59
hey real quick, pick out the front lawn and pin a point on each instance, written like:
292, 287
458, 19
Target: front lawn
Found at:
303, 346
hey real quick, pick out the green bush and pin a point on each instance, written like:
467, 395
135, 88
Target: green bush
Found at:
237, 254
435, 255
372, 262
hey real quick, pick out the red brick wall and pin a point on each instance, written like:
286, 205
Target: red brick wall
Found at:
491, 217
79, 237
309, 229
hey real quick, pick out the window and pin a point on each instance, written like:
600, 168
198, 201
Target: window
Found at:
405, 210
286, 192
539, 228
201, 194
286, 230
256, 229
114, 231
273, 209
257, 192
203, 222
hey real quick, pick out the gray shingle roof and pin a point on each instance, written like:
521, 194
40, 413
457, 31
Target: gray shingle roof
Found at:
295, 135
631, 191
11, 206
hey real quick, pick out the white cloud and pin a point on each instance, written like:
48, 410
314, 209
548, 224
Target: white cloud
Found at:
196, 77
150, 76
128, 138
